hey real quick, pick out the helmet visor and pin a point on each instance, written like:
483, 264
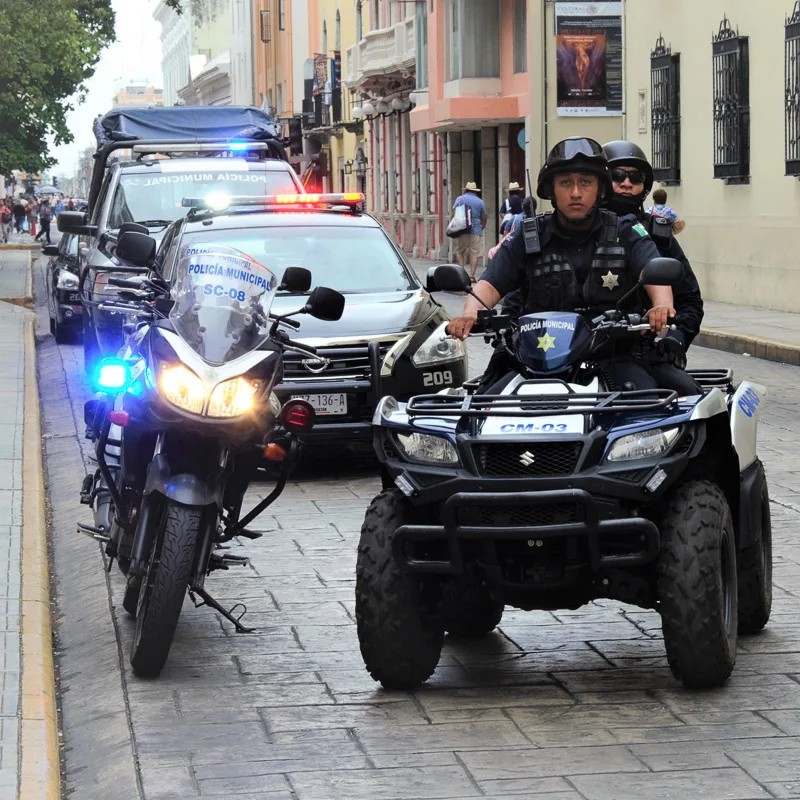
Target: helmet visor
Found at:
572, 148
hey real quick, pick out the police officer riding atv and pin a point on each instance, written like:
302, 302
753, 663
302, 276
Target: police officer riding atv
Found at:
574, 476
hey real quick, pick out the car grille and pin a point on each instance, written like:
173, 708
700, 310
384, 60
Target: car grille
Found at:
523, 458
348, 362
518, 516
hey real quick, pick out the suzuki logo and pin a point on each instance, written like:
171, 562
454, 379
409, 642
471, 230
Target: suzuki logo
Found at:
316, 365
527, 458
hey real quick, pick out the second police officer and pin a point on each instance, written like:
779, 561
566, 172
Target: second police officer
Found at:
579, 256
632, 180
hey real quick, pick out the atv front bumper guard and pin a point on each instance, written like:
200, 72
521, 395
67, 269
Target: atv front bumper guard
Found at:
595, 530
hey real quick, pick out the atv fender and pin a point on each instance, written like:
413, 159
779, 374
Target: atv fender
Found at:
751, 483
186, 489
746, 408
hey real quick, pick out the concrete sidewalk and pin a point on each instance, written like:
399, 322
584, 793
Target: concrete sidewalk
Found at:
29, 756
747, 330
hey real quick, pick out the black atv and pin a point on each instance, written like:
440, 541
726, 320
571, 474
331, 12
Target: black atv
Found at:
557, 491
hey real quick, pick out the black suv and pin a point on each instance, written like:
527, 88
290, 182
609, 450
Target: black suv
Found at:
390, 339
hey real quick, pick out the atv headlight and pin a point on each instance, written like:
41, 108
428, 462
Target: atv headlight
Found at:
67, 280
232, 398
644, 444
181, 387
431, 449
438, 348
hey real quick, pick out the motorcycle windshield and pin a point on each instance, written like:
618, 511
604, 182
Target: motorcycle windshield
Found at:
221, 300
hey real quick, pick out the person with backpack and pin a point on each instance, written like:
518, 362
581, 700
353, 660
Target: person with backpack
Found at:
470, 244
45, 217
510, 207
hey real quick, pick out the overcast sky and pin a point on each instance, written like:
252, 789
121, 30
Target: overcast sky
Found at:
135, 56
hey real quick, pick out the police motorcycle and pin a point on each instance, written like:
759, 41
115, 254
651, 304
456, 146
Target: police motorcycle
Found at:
182, 420
559, 490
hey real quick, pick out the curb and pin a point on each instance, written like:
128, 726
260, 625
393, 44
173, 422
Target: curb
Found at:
40, 768
31, 246
767, 349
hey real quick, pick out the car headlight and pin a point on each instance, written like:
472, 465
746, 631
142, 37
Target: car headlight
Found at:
438, 348
232, 398
431, 449
67, 280
644, 444
181, 387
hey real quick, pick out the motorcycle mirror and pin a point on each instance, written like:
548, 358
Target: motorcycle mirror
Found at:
296, 280
136, 248
325, 304
133, 227
448, 278
662, 272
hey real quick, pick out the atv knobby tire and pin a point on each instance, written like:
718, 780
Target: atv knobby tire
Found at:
399, 644
164, 588
697, 585
755, 575
471, 610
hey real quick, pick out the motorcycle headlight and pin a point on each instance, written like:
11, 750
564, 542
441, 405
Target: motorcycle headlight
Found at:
431, 449
644, 444
181, 387
438, 348
67, 280
232, 398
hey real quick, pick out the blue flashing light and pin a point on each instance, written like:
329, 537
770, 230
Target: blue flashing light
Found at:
136, 389
237, 147
112, 373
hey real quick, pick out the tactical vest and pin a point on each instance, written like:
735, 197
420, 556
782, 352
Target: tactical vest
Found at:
660, 230
552, 284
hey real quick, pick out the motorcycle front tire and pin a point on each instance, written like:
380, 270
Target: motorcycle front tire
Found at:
164, 587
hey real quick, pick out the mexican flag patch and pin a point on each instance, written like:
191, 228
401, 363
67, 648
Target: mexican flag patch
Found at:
639, 228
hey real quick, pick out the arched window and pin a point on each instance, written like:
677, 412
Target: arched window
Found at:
325, 36
359, 21
338, 35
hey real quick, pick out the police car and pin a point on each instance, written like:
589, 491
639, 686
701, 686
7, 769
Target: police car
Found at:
391, 337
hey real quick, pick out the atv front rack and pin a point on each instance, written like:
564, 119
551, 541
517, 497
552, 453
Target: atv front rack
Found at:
540, 405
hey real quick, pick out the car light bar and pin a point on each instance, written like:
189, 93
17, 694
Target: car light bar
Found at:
205, 147
351, 199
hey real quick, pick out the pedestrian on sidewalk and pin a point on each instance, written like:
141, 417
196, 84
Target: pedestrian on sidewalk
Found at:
31, 211
6, 219
19, 214
470, 245
45, 216
661, 209
510, 207
59, 206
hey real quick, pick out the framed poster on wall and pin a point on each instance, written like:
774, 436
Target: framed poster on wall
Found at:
589, 59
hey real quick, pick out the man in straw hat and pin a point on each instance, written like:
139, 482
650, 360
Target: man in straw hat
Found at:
470, 245
510, 207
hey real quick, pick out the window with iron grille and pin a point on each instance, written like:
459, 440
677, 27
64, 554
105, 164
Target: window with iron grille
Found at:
665, 96
731, 73
792, 101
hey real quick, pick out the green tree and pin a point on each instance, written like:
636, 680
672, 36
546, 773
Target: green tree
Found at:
49, 50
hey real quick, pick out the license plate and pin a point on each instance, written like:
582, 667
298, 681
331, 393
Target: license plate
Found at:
325, 404
75, 297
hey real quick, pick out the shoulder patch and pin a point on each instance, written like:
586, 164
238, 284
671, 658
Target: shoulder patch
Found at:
640, 229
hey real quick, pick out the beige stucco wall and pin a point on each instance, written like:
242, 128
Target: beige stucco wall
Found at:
743, 241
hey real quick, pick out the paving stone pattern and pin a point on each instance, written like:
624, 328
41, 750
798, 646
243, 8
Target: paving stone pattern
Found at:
561, 705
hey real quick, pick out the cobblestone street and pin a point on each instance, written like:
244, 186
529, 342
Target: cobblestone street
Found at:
561, 705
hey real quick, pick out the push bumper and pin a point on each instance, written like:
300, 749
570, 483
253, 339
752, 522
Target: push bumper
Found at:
609, 543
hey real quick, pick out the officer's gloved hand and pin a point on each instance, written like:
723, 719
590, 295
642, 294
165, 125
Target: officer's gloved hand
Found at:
672, 348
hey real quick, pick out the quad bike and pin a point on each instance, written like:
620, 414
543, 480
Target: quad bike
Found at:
559, 490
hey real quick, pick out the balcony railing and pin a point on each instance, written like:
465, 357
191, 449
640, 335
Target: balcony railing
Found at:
381, 52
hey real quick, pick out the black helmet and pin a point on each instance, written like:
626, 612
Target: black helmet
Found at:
576, 154
628, 154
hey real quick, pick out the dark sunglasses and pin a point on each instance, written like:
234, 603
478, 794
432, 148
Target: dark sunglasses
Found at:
635, 175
